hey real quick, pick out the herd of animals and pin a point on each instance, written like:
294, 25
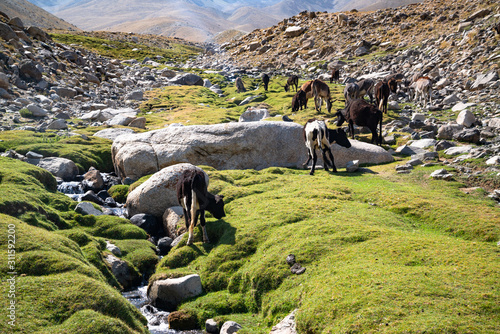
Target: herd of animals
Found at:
192, 191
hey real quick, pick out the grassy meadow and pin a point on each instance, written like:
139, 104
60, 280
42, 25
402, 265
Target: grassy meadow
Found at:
383, 252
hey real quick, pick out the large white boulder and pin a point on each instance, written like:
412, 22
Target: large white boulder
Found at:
159, 192
364, 152
245, 145
59, 167
168, 293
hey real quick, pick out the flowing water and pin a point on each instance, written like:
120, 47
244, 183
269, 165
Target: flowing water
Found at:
157, 319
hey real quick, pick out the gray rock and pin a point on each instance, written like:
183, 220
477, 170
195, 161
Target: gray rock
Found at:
352, 166
158, 192
462, 106
4, 81
168, 293
484, 80
468, 136
286, 326
7, 33
457, 150
451, 99
113, 248
36, 110
409, 150
466, 118
448, 131
147, 222
230, 327
493, 160
28, 71
442, 174
58, 124
494, 123
423, 143
294, 31
86, 208
124, 274
254, 145
171, 219
135, 95
112, 134
123, 120
60, 167
187, 79
248, 99
139, 122
254, 115
65, 92
211, 326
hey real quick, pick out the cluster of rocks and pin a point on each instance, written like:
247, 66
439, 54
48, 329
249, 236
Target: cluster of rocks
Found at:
46, 85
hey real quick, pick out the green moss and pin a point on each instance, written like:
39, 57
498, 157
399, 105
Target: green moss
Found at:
115, 228
121, 49
119, 193
378, 249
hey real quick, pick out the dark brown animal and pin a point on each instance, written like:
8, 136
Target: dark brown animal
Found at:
265, 81
321, 91
318, 136
292, 81
361, 113
307, 88
239, 85
299, 100
382, 92
335, 75
194, 198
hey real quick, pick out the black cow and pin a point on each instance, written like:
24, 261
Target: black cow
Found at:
265, 80
194, 198
299, 100
361, 113
317, 135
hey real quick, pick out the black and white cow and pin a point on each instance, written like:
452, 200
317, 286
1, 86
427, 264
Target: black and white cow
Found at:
317, 135
194, 198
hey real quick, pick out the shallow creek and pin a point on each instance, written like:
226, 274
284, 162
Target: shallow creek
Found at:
157, 319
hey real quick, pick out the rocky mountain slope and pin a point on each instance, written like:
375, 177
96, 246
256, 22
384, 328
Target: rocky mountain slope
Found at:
33, 15
192, 20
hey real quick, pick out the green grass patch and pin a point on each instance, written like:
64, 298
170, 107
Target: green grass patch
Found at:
382, 251
128, 50
85, 153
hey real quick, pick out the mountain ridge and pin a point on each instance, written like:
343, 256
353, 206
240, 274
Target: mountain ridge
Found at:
178, 18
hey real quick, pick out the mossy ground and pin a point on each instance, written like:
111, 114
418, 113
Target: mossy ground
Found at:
62, 281
383, 252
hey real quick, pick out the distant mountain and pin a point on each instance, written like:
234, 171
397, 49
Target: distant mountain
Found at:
196, 20
32, 15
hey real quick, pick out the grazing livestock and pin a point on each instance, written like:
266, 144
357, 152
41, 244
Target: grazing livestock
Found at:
335, 75
299, 100
292, 81
194, 198
423, 89
365, 88
307, 88
239, 85
351, 91
265, 81
318, 136
382, 92
361, 113
321, 92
